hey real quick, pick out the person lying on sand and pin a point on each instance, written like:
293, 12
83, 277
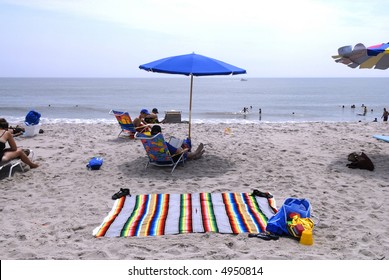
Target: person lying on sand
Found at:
16, 131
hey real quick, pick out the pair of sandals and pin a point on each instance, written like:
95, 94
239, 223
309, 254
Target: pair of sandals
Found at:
265, 235
121, 193
262, 194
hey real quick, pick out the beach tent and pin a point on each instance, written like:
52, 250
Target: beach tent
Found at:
192, 65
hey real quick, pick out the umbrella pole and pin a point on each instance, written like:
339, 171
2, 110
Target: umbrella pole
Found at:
190, 103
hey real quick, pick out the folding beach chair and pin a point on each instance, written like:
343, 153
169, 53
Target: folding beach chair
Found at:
158, 153
14, 163
125, 123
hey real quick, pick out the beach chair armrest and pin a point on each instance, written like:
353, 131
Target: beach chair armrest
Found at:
181, 152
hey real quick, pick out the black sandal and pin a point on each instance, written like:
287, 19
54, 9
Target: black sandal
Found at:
265, 236
262, 194
261, 235
122, 192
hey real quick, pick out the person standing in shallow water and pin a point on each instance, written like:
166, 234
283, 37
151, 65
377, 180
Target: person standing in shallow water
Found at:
385, 115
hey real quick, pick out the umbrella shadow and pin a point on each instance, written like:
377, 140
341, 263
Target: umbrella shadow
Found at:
209, 166
120, 139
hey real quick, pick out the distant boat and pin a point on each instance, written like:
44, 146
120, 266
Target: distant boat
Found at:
243, 80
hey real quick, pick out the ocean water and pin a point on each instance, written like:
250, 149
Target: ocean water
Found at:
215, 99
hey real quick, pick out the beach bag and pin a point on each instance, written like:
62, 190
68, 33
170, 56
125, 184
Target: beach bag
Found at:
361, 161
32, 118
278, 224
95, 163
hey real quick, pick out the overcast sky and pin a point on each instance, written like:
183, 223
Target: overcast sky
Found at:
100, 38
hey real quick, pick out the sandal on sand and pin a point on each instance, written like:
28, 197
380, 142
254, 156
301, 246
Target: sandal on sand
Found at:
265, 236
262, 194
122, 192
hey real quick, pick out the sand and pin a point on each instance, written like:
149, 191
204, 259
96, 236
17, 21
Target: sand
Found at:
49, 213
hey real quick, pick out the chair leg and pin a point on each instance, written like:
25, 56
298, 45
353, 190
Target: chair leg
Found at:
12, 167
10, 172
174, 167
32, 155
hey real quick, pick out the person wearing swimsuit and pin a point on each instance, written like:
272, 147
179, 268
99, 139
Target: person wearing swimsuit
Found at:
2, 147
7, 154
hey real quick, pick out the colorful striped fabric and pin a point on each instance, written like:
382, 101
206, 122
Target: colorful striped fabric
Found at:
160, 214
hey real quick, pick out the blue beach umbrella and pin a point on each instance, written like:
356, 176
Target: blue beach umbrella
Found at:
192, 65
375, 56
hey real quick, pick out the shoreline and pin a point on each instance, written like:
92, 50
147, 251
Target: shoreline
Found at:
232, 121
50, 212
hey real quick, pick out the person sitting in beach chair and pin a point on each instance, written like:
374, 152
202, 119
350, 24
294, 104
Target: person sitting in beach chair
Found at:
160, 153
185, 146
140, 124
153, 117
13, 152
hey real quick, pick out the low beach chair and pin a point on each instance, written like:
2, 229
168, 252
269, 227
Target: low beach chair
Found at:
14, 163
125, 123
158, 153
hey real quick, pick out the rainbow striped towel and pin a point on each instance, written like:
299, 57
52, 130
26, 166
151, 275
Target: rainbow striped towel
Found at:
160, 214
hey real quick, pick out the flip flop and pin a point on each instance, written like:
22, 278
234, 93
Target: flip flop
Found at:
121, 193
264, 235
273, 236
262, 194
261, 235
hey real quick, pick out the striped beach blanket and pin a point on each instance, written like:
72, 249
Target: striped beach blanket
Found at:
161, 214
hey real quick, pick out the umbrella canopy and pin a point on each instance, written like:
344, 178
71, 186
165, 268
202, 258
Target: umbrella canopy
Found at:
375, 56
192, 65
